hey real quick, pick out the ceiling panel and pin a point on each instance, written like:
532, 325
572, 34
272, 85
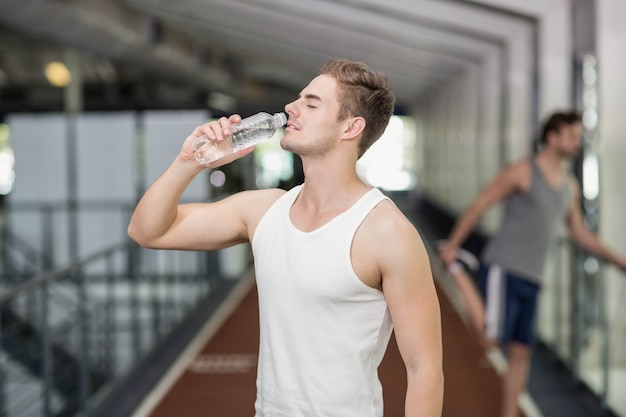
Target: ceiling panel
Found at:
267, 48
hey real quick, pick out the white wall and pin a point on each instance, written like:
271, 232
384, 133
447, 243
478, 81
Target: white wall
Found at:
461, 135
555, 52
41, 173
106, 174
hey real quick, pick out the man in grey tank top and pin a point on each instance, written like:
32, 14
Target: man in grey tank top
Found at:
537, 194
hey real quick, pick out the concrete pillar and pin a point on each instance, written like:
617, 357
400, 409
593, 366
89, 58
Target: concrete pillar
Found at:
555, 52
611, 37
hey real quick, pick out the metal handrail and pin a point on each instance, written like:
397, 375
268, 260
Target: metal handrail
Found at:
75, 326
24, 248
60, 273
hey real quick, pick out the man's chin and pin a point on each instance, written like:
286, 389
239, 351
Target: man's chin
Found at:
572, 154
284, 143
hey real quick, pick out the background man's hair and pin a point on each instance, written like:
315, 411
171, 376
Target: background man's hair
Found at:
555, 122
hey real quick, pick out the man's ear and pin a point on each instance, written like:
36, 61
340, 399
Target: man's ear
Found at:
354, 127
550, 137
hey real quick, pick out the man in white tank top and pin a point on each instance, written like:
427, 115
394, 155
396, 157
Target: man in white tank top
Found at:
539, 193
337, 264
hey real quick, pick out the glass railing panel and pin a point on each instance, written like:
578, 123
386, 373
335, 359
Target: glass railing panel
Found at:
553, 323
72, 332
603, 352
582, 318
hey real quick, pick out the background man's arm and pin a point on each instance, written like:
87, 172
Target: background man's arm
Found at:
584, 237
508, 181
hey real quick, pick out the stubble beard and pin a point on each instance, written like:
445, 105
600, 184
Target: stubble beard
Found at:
316, 148
569, 154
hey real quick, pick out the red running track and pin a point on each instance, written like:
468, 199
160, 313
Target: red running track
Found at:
216, 375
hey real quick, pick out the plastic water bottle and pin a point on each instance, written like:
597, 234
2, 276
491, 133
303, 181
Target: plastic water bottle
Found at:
249, 132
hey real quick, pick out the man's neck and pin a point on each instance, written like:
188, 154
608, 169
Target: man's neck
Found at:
328, 187
552, 160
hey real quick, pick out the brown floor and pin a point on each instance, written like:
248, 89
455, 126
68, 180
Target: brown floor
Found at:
220, 381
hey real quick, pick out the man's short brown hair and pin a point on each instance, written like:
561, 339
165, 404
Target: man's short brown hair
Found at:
363, 93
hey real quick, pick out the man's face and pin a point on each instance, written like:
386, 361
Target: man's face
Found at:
313, 125
568, 140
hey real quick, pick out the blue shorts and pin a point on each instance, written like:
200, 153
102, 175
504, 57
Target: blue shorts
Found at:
510, 305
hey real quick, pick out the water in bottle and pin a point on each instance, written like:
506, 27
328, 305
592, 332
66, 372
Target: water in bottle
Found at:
249, 132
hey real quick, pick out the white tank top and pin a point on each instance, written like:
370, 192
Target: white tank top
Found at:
323, 331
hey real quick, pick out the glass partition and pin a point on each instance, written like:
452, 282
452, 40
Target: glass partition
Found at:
582, 318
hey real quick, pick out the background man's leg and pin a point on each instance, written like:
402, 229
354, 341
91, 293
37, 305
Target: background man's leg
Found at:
514, 380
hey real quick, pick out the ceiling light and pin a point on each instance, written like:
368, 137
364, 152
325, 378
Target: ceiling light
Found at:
57, 74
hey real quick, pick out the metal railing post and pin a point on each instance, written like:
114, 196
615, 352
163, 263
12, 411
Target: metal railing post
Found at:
47, 239
578, 314
134, 310
606, 340
109, 335
3, 370
83, 326
46, 360
558, 282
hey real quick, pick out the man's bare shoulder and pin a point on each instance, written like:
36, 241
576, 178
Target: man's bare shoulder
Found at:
263, 194
518, 174
256, 200
385, 244
253, 204
518, 168
396, 244
387, 221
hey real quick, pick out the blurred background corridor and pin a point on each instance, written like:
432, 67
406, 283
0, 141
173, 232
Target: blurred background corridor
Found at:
96, 97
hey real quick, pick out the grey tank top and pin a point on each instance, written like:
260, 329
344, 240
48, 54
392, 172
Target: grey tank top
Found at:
528, 225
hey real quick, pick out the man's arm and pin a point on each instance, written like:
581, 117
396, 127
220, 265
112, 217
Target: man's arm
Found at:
159, 221
584, 237
512, 179
409, 290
